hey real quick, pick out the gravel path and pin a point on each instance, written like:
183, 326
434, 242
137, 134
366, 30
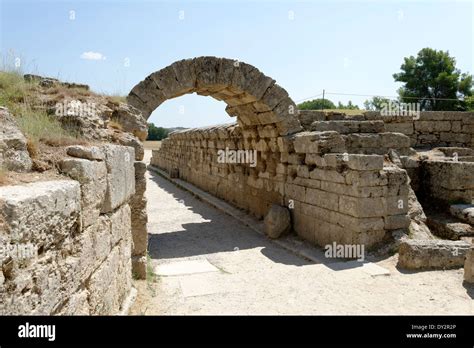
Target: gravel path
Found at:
237, 271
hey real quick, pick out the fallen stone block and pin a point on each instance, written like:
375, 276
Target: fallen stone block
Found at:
277, 221
432, 254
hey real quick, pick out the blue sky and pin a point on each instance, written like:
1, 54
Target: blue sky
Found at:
307, 46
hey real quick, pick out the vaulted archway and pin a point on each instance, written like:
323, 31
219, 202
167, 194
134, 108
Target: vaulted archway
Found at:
254, 98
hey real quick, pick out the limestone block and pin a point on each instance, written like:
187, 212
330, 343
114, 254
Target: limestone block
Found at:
127, 139
42, 213
120, 176
277, 221
394, 140
91, 247
363, 140
92, 175
120, 225
458, 138
364, 162
353, 190
394, 222
327, 175
295, 192
366, 178
86, 152
318, 142
469, 267
315, 159
146, 96
432, 254
451, 175
406, 128
103, 286
362, 207
185, 74
304, 226
322, 199
111, 282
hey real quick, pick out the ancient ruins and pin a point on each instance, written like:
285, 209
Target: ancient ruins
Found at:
392, 183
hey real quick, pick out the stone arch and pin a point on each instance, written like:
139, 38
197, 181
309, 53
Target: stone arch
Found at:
254, 98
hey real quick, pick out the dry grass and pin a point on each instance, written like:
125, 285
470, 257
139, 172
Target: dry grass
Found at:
116, 99
19, 96
115, 125
38, 127
152, 144
15, 91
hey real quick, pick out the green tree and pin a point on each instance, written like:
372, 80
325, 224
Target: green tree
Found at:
470, 103
156, 133
376, 103
432, 76
349, 106
317, 104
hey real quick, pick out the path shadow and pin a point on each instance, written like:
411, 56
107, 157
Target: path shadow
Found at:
220, 233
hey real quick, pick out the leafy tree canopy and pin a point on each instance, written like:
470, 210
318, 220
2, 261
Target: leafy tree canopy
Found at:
317, 104
156, 133
431, 76
376, 103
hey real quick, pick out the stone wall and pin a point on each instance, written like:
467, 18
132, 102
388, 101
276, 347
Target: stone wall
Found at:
434, 128
69, 241
469, 267
335, 192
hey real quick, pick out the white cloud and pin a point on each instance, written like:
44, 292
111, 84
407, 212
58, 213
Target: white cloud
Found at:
92, 56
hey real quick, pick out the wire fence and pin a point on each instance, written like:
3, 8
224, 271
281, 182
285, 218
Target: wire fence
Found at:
370, 96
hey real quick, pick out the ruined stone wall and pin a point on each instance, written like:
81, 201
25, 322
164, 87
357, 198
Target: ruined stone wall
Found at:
434, 128
335, 192
70, 240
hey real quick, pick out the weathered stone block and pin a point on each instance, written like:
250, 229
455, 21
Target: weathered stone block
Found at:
120, 176
86, 152
277, 221
432, 254
362, 207
41, 213
92, 175
318, 142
